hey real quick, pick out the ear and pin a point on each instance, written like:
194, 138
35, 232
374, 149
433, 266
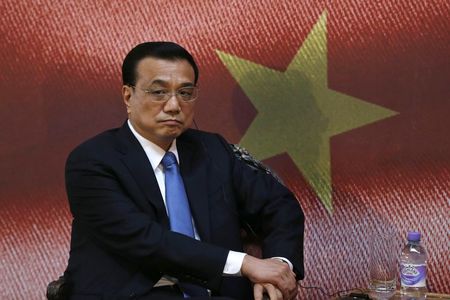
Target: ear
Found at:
126, 96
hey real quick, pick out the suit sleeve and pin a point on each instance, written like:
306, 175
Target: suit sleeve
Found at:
108, 216
271, 210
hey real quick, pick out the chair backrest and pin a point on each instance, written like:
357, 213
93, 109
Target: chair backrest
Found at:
57, 289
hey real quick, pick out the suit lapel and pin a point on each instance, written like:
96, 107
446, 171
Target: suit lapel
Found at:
194, 172
140, 168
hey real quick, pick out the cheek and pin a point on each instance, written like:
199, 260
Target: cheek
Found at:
189, 116
148, 112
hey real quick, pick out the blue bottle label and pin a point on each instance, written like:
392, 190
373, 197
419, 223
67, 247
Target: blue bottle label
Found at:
412, 275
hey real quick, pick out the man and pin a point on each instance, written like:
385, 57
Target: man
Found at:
158, 207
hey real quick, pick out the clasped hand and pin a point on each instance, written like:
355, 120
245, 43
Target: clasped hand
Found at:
271, 276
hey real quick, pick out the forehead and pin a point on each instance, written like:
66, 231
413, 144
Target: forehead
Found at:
152, 69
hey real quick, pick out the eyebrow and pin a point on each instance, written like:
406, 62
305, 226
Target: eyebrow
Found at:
163, 82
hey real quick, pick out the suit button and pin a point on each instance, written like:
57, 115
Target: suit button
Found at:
132, 296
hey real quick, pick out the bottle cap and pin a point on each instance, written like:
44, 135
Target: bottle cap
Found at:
413, 236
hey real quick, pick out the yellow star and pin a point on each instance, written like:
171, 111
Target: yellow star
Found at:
297, 112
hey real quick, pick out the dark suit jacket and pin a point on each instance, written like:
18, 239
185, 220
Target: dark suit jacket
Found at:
121, 243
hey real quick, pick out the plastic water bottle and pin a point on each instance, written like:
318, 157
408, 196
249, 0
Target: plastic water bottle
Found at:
413, 268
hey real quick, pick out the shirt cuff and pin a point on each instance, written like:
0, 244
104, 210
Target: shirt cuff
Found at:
233, 264
285, 260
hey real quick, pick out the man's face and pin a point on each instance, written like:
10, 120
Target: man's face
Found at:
160, 122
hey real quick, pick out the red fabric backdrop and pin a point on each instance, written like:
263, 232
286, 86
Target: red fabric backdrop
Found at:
60, 84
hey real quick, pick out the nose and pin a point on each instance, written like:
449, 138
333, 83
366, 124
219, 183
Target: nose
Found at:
172, 105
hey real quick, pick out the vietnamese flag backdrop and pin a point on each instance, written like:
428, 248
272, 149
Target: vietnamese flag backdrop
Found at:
347, 101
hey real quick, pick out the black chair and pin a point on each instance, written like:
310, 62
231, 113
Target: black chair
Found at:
57, 289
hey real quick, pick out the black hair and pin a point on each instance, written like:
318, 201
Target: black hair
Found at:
162, 50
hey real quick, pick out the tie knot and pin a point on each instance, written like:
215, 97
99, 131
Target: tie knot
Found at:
169, 159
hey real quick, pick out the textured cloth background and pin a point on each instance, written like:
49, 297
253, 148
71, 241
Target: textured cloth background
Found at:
60, 84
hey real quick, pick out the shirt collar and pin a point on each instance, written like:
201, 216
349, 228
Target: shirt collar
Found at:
153, 151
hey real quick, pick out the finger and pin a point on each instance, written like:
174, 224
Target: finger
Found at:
294, 291
287, 273
285, 294
294, 294
279, 294
270, 289
284, 276
258, 291
290, 278
284, 290
274, 293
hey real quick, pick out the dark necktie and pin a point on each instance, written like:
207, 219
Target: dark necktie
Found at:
179, 212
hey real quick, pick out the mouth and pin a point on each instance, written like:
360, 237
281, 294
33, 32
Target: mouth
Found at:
171, 122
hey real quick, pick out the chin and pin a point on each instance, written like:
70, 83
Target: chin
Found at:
173, 134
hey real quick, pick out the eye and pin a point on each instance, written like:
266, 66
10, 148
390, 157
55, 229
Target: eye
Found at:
186, 93
158, 93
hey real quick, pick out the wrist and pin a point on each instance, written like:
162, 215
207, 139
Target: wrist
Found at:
285, 260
